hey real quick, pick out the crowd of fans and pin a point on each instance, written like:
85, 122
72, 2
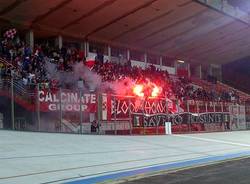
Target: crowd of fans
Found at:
23, 63
175, 88
184, 90
29, 67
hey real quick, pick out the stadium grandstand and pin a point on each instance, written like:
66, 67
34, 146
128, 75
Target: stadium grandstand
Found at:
124, 67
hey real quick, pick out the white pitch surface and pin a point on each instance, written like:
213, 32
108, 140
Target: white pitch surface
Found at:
30, 158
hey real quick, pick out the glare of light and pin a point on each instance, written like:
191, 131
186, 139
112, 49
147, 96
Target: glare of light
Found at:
155, 91
138, 90
180, 61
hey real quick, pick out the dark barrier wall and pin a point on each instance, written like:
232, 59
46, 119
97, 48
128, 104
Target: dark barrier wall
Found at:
23, 117
237, 74
6, 112
60, 110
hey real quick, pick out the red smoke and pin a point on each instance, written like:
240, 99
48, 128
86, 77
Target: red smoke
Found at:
156, 91
148, 89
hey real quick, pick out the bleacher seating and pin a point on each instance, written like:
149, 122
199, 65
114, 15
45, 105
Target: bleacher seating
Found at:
20, 62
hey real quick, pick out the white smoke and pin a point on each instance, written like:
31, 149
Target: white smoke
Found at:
92, 81
120, 87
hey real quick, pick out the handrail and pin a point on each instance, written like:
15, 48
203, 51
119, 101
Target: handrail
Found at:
228, 86
203, 82
23, 91
18, 88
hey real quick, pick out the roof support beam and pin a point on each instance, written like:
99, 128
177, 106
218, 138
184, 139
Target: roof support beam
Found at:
91, 12
211, 41
168, 26
226, 9
121, 17
52, 10
11, 6
143, 24
171, 38
199, 32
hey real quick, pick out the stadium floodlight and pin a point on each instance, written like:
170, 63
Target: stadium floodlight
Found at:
180, 61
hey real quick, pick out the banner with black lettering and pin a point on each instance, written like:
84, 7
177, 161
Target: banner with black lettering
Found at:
122, 108
176, 119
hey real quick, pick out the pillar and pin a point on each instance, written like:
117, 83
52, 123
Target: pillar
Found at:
128, 54
109, 53
161, 62
30, 39
200, 72
189, 71
175, 66
145, 59
59, 42
86, 48
210, 70
82, 46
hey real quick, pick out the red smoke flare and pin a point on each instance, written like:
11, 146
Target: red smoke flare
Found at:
156, 91
138, 90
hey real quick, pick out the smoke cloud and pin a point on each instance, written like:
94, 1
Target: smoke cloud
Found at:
91, 80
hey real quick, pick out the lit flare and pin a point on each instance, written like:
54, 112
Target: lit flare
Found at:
138, 90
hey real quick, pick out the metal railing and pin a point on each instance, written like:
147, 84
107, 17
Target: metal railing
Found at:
30, 107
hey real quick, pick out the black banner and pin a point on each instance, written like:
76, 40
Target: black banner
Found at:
178, 119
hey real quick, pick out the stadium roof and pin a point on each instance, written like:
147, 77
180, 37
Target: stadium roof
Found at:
183, 29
